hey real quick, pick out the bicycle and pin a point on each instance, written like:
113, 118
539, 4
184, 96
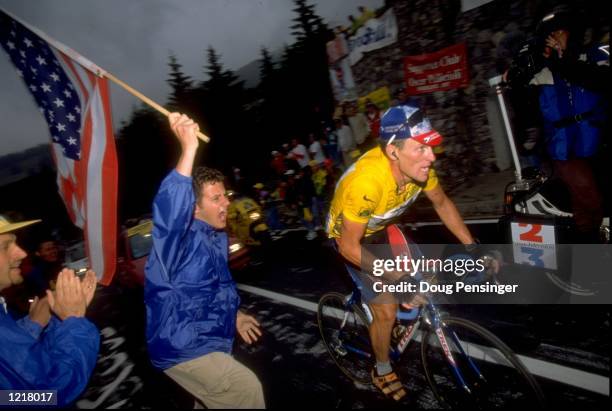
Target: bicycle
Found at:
464, 364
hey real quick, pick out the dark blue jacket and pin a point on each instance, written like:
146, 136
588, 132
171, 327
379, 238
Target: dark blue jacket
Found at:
190, 295
563, 96
61, 357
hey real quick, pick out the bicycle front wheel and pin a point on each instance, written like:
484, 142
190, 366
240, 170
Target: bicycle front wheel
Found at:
344, 330
484, 373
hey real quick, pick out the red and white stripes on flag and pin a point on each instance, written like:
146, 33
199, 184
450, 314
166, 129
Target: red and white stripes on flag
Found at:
89, 186
73, 97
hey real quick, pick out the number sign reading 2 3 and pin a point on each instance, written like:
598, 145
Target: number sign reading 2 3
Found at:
534, 244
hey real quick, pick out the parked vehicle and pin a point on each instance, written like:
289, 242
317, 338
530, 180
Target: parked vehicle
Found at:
135, 245
76, 258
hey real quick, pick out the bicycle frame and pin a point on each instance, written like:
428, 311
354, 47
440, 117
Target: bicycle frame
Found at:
434, 321
428, 315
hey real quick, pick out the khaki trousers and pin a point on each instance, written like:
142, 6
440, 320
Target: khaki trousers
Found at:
217, 380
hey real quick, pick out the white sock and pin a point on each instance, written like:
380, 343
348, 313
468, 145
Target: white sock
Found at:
383, 368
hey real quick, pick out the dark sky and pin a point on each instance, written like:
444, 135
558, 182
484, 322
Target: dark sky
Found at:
132, 40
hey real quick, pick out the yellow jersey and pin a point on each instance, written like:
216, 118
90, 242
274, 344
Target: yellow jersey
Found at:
367, 193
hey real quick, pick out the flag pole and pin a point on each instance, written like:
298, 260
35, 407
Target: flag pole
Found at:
96, 69
146, 100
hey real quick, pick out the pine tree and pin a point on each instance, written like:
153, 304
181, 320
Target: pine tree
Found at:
286, 59
180, 83
214, 69
221, 99
305, 63
145, 136
219, 78
267, 68
308, 25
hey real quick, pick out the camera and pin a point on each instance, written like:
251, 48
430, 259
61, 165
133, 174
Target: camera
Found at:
530, 60
527, 63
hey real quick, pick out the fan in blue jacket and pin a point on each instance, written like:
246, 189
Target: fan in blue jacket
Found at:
44, 351
191, 298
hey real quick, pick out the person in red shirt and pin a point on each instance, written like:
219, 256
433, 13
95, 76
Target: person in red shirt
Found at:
278, 163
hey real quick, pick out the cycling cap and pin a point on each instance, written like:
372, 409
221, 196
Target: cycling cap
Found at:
402, 122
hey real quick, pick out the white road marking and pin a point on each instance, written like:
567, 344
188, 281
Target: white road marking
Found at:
556, 372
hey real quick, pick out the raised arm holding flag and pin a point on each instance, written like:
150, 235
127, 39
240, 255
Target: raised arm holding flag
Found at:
72, 94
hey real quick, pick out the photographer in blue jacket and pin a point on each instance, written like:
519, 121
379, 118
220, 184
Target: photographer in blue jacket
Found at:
572, 82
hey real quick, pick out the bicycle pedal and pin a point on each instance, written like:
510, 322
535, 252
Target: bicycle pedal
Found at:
340, 350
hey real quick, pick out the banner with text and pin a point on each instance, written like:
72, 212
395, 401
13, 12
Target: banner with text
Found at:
445, 69
374, 34
381, 97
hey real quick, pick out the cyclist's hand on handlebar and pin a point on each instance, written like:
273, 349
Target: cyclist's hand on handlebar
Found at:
492, 261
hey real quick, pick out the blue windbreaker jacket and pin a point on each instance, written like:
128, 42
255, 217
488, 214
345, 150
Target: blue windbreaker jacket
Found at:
190, 295
561, 99
61, 357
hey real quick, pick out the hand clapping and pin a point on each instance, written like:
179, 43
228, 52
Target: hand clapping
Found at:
40, 311
71, 296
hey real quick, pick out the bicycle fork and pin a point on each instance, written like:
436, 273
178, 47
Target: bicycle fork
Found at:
451, 359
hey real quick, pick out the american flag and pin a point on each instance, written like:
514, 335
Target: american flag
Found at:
74, 99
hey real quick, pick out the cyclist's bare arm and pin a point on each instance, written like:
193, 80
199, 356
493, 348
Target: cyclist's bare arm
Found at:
449, 214
349, 245
349, 242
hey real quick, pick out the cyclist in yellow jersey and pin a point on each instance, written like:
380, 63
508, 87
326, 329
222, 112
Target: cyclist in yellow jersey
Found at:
379, 187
